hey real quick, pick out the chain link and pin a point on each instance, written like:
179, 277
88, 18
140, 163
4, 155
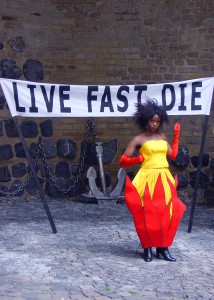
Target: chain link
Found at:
29, 176
15, 192
40, 152
90, 125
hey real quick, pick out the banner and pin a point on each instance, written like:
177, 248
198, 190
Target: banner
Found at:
33, 99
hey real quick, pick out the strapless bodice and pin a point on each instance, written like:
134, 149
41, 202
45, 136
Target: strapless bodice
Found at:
154, 153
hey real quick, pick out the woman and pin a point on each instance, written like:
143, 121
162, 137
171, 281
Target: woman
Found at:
151, 197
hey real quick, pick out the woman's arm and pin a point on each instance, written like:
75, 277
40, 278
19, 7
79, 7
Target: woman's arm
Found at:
132, 145
127, 159
173, 149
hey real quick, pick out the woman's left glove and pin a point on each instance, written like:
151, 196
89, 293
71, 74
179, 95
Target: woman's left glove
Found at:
175, 142
127, 161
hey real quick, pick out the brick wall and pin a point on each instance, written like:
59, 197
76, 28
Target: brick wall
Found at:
112, 42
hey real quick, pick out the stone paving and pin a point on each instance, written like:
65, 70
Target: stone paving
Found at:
95, 254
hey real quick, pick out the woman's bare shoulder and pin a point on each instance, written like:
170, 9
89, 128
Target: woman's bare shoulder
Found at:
163, 137
140, 138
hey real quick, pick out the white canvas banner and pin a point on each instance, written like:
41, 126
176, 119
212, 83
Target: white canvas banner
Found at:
33, 99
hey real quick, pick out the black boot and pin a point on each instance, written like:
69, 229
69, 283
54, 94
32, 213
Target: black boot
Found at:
165, 253
147, 254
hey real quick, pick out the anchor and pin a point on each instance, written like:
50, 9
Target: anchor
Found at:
103, 196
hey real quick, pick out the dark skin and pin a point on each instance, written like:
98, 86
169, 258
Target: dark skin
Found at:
151, 133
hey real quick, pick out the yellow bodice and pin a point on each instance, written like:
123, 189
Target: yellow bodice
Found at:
154, 153
155, 164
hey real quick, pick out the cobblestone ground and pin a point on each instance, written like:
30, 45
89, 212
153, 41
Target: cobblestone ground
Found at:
95, 254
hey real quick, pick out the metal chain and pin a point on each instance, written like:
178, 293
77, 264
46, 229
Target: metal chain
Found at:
40, 151
15, 192
90, 125
29, 176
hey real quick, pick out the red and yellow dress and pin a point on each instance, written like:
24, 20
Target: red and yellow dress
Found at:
152, 198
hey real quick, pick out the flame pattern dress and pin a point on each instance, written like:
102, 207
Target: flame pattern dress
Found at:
152, 198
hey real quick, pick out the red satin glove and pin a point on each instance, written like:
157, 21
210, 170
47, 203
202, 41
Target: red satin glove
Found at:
127, 161
175, 142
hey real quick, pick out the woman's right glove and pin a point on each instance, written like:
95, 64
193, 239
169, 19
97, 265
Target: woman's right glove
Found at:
127, 161
175, 142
